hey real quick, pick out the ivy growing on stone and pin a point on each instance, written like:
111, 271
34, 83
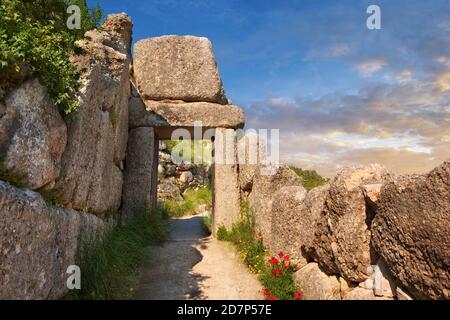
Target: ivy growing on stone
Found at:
35, 41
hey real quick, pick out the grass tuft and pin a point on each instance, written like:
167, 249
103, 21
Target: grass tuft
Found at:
250, 245
193, 198
110, 262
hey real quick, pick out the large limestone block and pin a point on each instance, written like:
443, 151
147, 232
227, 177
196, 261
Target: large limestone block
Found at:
38, 243
98, 132
177, 68
265, 183
140, 178
316, 285
225, 181
342, 242
33, 135
411, 232
285, 221
181, 114
307, 215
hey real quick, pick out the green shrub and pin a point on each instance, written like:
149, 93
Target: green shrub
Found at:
192, 199
110, 262
34, 40
207, 223
310, 178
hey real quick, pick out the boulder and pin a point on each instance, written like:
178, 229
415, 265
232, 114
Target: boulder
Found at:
402, 295
33, 134
169, 191
342, 241
177, 68
286, 222
316, 285
186, 177
411, 232
262, 195
38, 242
91, 178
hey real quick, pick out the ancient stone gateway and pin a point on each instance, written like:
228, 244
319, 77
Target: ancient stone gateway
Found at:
177, 85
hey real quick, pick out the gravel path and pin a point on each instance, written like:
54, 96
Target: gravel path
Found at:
193, 266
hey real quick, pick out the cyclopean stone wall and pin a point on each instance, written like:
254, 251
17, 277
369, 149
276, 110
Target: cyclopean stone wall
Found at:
367, 235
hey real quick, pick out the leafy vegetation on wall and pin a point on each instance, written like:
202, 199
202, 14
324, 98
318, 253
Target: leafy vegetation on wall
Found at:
35, 40
310, 178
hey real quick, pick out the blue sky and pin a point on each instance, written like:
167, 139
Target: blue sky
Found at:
340, 93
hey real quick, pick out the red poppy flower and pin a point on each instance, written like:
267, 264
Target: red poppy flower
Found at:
298, 295
271, 298
281, 254
277, 272
266, 292
286, 258
273, 261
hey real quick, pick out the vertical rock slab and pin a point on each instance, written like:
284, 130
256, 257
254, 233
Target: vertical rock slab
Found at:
33, 134
177, 68
285, 222
342, 242
225, 181
265, 183
91, 176
411, 231
38, 242
141, 169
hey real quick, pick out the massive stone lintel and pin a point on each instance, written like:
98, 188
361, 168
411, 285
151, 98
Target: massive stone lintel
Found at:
174, 114
177, 68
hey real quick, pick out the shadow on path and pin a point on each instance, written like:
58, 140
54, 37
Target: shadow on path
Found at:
194, 266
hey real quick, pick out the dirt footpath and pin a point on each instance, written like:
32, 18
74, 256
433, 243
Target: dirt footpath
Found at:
193, 266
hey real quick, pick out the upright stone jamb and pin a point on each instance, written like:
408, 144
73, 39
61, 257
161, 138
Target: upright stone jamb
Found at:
140, 177
225, 180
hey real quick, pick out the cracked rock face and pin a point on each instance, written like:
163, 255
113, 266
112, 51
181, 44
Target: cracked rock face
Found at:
38, 242
342, 240
91, 176
411, 232
178, 68
32, 134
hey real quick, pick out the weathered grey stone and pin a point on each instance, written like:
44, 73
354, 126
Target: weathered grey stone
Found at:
316, 285
342, 242
33, 135
169, 191
180, 114
384, 285
177, 68
363, 294
309, 214
186, 177
38, 243
140, 178
411, 232
98, 132
225, 181
261, 197
286, 222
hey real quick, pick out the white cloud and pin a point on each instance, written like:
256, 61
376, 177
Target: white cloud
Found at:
369, 67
